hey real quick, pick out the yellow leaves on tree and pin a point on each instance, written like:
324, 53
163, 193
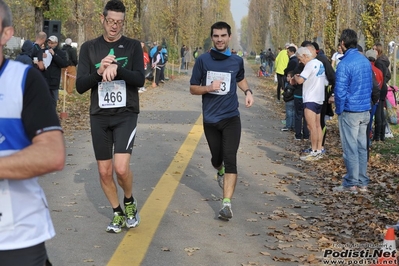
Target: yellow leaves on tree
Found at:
371, 19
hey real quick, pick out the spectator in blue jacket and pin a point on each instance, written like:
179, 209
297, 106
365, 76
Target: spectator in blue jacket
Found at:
353, 88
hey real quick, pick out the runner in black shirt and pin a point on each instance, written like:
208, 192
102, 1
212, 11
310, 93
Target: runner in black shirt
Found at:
112, 67
37, 52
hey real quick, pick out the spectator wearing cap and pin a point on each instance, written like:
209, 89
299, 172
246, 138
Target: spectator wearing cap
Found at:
72, 59
53, 72
293, 45
280, 65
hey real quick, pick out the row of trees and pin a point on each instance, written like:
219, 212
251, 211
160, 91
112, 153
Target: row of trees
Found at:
270, 23
274, 23
174, 22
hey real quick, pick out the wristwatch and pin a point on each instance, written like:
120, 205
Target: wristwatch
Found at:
248, 90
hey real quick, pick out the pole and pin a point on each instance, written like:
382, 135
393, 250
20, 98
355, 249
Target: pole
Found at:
155, 74
63, 104
63, 113
395, 50
167, 71
173, 69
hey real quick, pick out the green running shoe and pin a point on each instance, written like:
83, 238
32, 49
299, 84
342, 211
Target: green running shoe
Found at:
225, 212
132, 214
220, 179
117, 223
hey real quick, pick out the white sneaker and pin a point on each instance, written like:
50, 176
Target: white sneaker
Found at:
312, 156
341, 188
389, 135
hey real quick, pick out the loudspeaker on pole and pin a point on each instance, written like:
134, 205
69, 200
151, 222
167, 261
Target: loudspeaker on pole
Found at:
52, 27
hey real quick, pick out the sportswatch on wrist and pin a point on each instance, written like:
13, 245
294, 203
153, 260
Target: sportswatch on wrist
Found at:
248, 90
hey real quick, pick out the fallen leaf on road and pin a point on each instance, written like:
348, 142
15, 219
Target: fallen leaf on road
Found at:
252, 234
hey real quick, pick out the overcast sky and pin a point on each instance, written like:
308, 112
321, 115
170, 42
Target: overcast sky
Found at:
239, 9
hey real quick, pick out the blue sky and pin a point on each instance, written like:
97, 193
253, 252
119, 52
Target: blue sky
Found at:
239, 9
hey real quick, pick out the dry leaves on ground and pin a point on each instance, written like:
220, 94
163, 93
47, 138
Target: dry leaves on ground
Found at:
347, 218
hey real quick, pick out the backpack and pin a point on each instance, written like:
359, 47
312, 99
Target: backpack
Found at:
153, 52
270, 56
164, 58
67, 50
288, 94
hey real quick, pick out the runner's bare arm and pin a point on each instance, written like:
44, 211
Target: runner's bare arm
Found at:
200, 90
45, 155
249, 99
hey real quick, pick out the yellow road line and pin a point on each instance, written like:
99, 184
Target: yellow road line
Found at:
133, 247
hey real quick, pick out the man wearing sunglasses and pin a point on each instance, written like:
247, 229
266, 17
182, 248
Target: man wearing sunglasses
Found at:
112, 67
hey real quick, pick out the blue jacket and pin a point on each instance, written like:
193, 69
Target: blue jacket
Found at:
354, 83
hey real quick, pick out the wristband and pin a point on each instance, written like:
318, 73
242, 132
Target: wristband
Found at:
248, 90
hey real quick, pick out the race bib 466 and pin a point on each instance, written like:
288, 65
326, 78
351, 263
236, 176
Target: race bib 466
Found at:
112, 94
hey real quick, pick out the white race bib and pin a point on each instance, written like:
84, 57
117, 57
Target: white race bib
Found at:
112, 94
224, 85
6, 215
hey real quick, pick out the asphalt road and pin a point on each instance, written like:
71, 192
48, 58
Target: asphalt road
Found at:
178, 196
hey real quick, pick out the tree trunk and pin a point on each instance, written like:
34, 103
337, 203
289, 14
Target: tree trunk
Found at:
39, 14
39, 19
81, 26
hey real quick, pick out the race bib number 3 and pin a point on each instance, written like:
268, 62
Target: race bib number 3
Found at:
6, 215
112, 94
224, 85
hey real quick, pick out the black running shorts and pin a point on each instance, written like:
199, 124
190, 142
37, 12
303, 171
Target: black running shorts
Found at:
113, 133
